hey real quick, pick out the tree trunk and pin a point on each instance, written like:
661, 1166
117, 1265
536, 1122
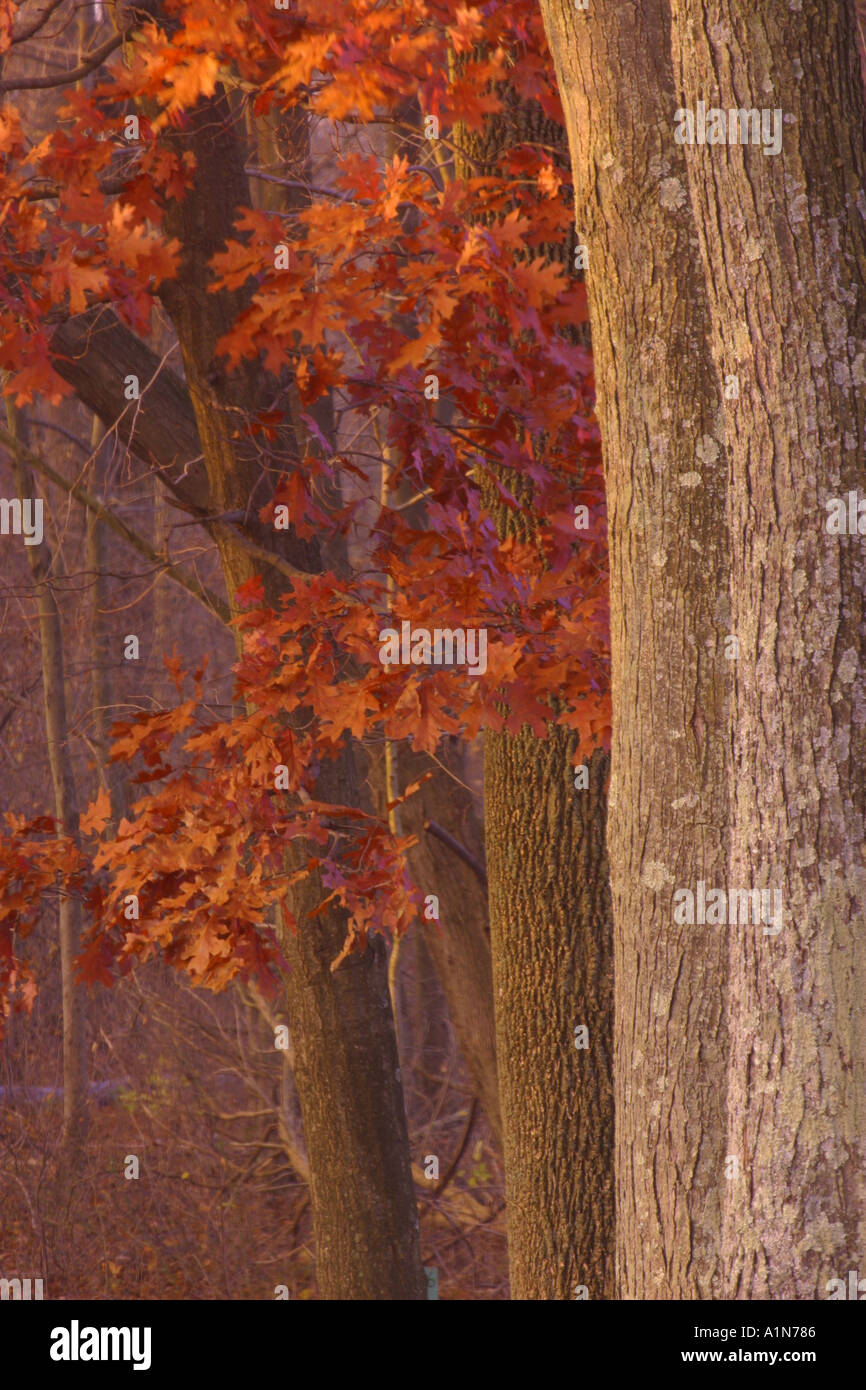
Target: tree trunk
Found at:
551, 940
346, 1068
66, 812
97, 635
660, 412
458, 944
784, 251
109, 775
550, 930
348, 1079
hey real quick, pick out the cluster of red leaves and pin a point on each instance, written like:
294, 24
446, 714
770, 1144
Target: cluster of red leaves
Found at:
206, 851
94, 247
35, 862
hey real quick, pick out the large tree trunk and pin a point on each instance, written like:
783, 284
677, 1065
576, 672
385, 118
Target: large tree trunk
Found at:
660, 412
551, 940
783, 246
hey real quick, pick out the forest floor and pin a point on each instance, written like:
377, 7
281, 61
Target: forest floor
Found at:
216, 1210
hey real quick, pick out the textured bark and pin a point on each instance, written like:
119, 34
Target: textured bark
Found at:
783, 245
551, 937
662, 427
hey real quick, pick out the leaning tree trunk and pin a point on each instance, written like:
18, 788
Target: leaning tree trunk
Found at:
784, 250
346, 1067
93, 351
662, 425
551, 938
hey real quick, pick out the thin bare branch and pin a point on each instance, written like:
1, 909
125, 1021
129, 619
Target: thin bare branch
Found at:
458, 1152
29, 84
205, 596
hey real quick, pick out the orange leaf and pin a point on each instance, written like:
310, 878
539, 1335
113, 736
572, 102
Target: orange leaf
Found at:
97, 814
83, 276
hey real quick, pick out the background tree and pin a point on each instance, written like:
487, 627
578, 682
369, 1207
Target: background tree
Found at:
41, 562
551, 925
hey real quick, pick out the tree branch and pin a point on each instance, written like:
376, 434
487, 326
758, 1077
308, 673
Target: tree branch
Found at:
307, 187
48, 188
458, 1153
463, 853
39, 22
210, 601
94, 352
25, 84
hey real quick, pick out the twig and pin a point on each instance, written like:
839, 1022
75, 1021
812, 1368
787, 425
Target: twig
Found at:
463, 1234
209, 600
307, 187
446, 1176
